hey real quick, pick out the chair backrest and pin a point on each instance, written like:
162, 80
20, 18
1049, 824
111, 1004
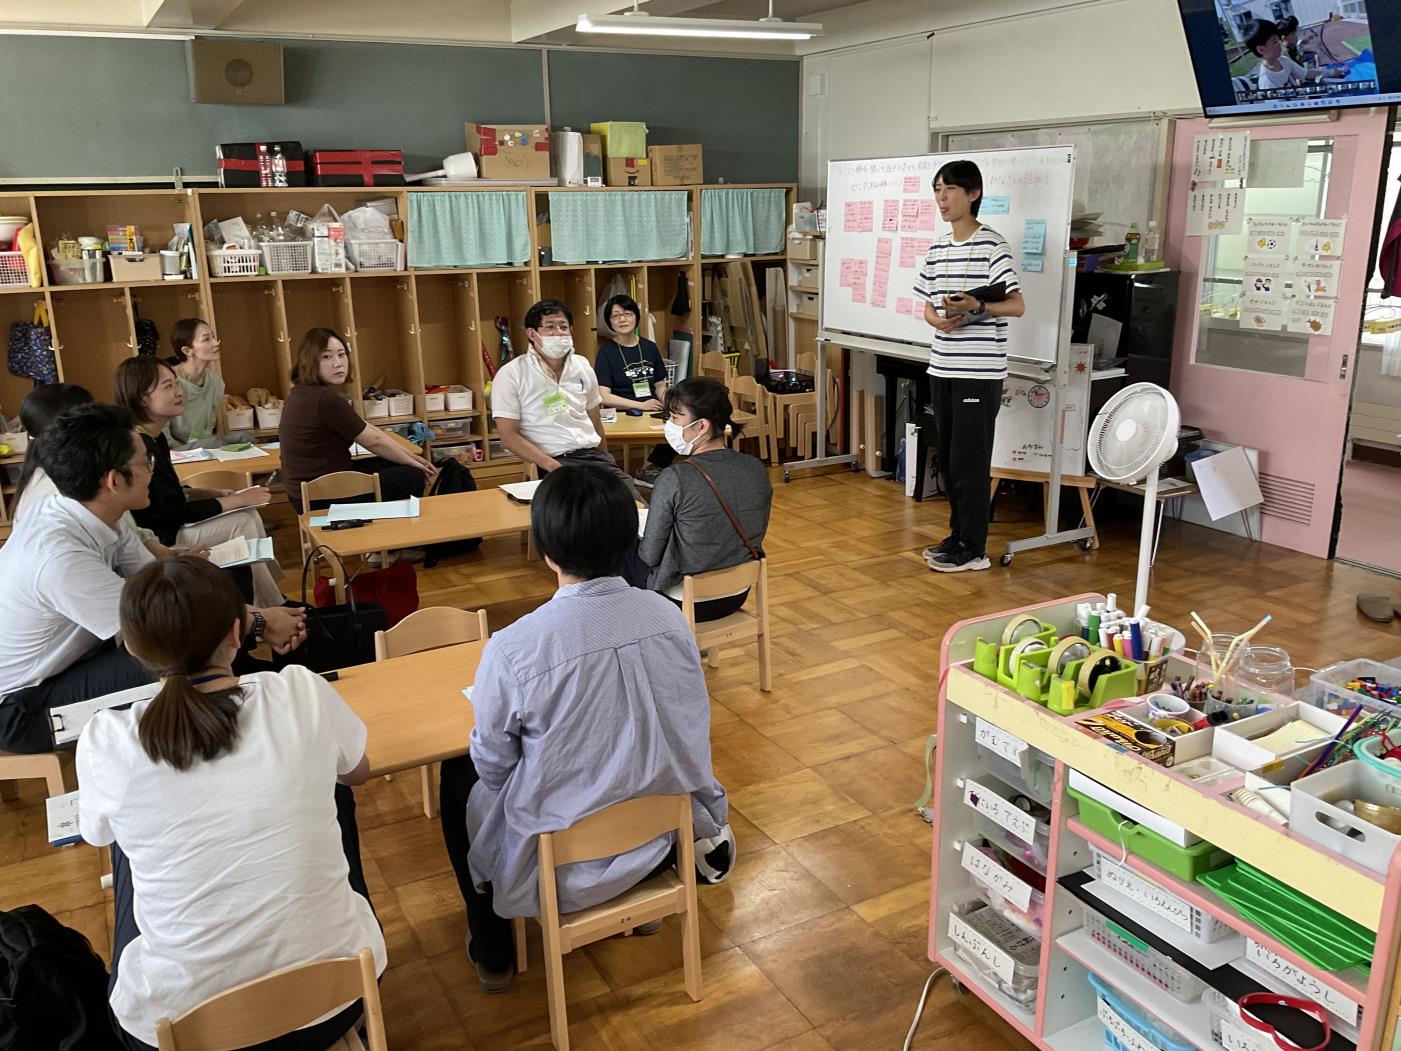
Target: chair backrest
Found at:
529, 471
431, 628
338, 486
718, 583
619, 828
276, 1004
219, 479
807, 363
715, 365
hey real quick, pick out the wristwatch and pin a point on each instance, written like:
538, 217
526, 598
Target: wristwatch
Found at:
260, 625
982, 309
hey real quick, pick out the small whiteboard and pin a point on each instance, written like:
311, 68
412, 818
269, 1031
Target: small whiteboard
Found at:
882, 220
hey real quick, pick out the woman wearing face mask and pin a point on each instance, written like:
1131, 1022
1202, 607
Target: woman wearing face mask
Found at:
545, 402
688, 529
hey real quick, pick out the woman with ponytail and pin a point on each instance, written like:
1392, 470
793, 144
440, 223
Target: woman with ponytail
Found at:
224, 801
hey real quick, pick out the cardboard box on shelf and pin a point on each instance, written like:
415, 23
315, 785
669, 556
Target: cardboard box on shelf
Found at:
510, 151
627, 171
622, 138
593, 156
675, 165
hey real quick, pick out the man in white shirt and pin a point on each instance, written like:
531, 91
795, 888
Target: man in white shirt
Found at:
546, 401
61, 575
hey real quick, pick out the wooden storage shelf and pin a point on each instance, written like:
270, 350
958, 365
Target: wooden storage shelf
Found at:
1065, 1015
12, 290
187, 282
454, 414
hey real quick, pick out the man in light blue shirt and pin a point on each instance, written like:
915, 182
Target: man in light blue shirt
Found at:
596, 697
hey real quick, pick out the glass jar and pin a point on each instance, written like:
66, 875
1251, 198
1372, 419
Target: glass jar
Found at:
1264, 670
1214, 688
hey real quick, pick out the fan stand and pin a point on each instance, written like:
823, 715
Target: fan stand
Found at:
1146, 533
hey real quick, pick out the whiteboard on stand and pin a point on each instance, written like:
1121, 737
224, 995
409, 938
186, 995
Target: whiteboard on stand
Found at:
882, 220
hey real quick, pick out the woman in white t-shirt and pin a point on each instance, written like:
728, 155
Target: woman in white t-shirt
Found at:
234, 848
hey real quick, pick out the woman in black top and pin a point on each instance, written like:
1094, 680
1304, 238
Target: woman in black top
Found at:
632, 376
149, 390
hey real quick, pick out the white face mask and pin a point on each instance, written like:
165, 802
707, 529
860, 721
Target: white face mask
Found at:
556, 347
674, 432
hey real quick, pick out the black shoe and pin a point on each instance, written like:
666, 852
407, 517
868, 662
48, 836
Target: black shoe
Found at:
647, 475
960, 560
943, 547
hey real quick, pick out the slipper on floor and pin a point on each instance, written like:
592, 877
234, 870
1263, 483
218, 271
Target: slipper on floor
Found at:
1377, 607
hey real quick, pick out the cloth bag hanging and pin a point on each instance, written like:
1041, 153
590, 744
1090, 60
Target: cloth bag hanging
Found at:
31, 353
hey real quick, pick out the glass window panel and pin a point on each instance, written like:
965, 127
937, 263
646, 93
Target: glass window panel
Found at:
1220, 339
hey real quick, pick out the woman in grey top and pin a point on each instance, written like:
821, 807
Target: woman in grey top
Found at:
688, 530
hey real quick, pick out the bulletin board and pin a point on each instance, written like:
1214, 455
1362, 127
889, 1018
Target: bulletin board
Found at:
882, 220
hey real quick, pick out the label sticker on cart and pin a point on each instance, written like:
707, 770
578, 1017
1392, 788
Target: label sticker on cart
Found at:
995, 808
1235, 1037
1153, 898
984, 868
982, 950
1000, 742
1125, 1034
1334, 1002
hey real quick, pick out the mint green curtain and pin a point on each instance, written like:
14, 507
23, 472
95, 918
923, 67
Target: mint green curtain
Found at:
624, 226
750, 222
468, 228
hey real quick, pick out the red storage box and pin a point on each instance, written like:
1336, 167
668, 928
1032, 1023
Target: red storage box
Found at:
258, 163
358, 167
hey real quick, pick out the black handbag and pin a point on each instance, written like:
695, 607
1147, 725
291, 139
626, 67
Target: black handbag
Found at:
343, 635
453, 477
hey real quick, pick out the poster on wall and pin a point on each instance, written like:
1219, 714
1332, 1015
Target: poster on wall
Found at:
1321, 236
1312, 317
1263, 274
1211, 213
1277, 163
1268, 236
1263, 313
1317, 277
1221, 155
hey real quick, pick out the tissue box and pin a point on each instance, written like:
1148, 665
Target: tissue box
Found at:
675, 165
251, 163
510, 151
627, 171
622, 138
358, 167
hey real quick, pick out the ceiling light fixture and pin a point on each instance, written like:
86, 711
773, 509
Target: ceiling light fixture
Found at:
639, 23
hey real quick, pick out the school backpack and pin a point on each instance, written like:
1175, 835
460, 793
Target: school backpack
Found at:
453, 477
53, 987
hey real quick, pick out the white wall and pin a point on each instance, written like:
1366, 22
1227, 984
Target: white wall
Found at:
1004, 63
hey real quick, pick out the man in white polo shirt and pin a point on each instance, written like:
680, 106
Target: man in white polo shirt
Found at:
546, 401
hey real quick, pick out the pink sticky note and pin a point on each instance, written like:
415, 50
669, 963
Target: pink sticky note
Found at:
878, 290
890, 216
858, 294
912, 251
866, 216
926, 215
917, 308
912, 184
850, 214
847, 275
904, 305
909, 216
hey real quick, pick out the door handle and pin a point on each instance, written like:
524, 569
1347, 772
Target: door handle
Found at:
1342, 369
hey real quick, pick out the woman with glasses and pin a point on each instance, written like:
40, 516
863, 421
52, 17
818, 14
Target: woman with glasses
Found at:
689, 525
632, 376
148, 388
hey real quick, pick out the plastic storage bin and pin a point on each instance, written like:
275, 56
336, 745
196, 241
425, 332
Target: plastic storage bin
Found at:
1143, 958
1029, 919
434, 402
78, 271
1206, 928
1330, 693
1115, 1013
268, 417
1316, 815
1227, 1029
13, 269
238, 419
376, 408
287, 257
1183, 862
235, 262
1033, 853
991, 929
1035, 775
459, 398
400, 402
376, 255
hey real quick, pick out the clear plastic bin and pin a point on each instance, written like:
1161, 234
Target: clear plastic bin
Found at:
1322, 810
1023, 948
1035, 775
1227, 1029
1330, 693
376, 255
235, 262
1029, 919
1131, 1015
1034, 853
1143, 958
1206, 928
287, 257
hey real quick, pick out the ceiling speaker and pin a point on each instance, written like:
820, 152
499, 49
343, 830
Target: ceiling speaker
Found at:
241, 72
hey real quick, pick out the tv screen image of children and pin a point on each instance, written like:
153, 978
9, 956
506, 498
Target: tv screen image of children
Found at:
1292, 51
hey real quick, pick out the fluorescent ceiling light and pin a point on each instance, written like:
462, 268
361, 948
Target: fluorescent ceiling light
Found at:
639, 23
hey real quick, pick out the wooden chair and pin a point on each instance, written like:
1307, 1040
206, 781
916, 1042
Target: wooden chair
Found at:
15, 767
719, 583
220, 479
751, 397
339, 486
615, 830
430, 628
717, 366
805, 422
280, 1003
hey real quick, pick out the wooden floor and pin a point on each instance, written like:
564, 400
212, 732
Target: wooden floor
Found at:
819, 938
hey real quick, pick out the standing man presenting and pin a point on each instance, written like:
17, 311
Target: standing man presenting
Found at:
967, 358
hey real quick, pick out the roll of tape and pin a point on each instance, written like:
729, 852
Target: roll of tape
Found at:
1067, 650
1096, 664
1025, 646
1020, 626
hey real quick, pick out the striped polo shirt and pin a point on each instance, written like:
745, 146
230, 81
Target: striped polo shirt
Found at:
978, 350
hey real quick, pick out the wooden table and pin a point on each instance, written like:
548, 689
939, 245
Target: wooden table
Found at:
453, 516
628, 431
413, 706
270, 461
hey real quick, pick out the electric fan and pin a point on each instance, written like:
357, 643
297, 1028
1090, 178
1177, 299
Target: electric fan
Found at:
1132, 437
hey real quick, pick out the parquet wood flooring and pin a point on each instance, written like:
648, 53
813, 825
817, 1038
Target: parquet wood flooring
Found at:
818, 940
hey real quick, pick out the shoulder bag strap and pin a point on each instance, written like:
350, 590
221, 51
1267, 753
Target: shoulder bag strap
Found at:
724, 505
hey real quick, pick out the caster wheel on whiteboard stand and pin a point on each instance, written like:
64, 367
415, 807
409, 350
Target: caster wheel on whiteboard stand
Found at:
1085, 545
1006, 559
787, 477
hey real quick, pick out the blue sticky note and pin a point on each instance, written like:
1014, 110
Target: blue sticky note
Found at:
1034, 236
995, 206
1033, 264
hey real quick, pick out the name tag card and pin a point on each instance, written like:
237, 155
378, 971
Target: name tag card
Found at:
1236, 1037
996, 809
989, 872
1330, 999
981, 949
1153, 898
1126, 1034
1000, 742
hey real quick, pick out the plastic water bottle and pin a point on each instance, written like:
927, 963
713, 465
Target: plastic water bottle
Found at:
1149, 251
